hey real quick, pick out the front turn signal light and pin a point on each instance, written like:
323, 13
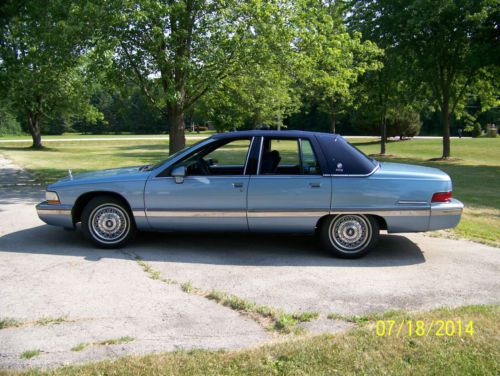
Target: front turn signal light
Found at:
52, 197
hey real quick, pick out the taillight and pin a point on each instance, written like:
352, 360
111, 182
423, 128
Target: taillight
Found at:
441, 197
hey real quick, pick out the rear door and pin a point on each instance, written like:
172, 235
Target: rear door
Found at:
289, 192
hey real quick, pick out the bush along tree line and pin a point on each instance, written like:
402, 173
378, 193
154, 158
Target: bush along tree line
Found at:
380, 67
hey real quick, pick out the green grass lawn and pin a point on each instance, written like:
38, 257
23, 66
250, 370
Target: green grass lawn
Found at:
475, 171
359, 351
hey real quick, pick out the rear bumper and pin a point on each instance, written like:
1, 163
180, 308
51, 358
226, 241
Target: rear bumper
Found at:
445, 215
55, 215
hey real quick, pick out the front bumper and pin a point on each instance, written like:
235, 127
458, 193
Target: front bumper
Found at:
55, 215
445, 215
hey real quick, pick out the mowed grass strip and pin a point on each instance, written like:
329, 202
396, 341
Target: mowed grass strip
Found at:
358, 351
475, 169
269, 317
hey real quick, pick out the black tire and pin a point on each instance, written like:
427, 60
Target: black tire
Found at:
349, 235
107, 222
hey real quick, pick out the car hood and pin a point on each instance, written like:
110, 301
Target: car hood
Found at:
402, 170
108, 173
113, 174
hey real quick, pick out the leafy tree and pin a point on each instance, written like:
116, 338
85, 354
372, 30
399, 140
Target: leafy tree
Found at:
385, 92
177, 51
449, 44
336, 58
400, 121
221, 109
263, 95
41, 66
389, 89
124, 110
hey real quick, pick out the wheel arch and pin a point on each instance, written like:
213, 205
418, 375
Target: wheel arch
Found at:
85, 198
380, 220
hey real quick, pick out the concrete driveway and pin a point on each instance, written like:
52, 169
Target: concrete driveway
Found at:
100, 296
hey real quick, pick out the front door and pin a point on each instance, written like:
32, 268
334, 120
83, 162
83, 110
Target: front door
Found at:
289, 192
212, 196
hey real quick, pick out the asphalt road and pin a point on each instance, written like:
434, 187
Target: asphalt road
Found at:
104, 295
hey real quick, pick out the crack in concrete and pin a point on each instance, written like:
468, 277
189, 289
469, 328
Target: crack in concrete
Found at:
44, 321
269, 318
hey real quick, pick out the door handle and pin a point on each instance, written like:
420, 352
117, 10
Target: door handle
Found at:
315, 185
237, 185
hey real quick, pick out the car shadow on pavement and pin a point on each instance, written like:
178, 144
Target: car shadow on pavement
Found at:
213, 248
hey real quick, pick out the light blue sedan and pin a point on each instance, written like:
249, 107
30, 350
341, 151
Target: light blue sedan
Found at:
258, 181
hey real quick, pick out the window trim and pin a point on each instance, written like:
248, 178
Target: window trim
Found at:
245, 166
259, 160
301, 164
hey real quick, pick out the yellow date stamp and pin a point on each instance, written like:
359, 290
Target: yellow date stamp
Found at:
421, 328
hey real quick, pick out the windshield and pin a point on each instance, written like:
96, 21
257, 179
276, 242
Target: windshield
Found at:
172, 156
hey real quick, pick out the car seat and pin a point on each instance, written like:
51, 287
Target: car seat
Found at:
270, 162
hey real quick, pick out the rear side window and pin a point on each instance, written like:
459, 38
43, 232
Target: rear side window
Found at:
310, 165
288, 157
288, 151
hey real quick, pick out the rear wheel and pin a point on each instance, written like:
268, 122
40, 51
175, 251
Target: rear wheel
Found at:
349, 235
107, 222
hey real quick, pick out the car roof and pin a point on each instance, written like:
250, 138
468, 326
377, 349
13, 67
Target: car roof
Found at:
271, 133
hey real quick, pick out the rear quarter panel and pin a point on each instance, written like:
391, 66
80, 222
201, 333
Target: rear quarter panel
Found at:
403, 201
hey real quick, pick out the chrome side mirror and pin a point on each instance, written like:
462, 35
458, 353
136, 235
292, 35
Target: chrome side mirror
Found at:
179, 173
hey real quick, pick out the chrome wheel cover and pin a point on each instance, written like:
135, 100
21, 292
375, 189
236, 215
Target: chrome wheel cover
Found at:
109, 223
350, 233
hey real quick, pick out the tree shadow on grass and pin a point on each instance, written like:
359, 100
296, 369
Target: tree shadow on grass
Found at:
160, 147
28, 148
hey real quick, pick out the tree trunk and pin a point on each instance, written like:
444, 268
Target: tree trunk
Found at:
445, 116
383, 135
333, 123
175, 118
34, 127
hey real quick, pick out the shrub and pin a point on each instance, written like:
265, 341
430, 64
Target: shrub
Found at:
400, 121
476, 130
403, 122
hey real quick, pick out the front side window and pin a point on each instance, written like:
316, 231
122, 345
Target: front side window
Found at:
226, 159
288, 157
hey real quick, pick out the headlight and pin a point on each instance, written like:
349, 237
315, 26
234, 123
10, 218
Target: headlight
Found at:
52, 197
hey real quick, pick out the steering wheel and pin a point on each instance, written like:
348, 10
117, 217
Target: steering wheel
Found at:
203, 166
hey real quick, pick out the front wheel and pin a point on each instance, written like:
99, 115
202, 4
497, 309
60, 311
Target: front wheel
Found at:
349, 235
107, 222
